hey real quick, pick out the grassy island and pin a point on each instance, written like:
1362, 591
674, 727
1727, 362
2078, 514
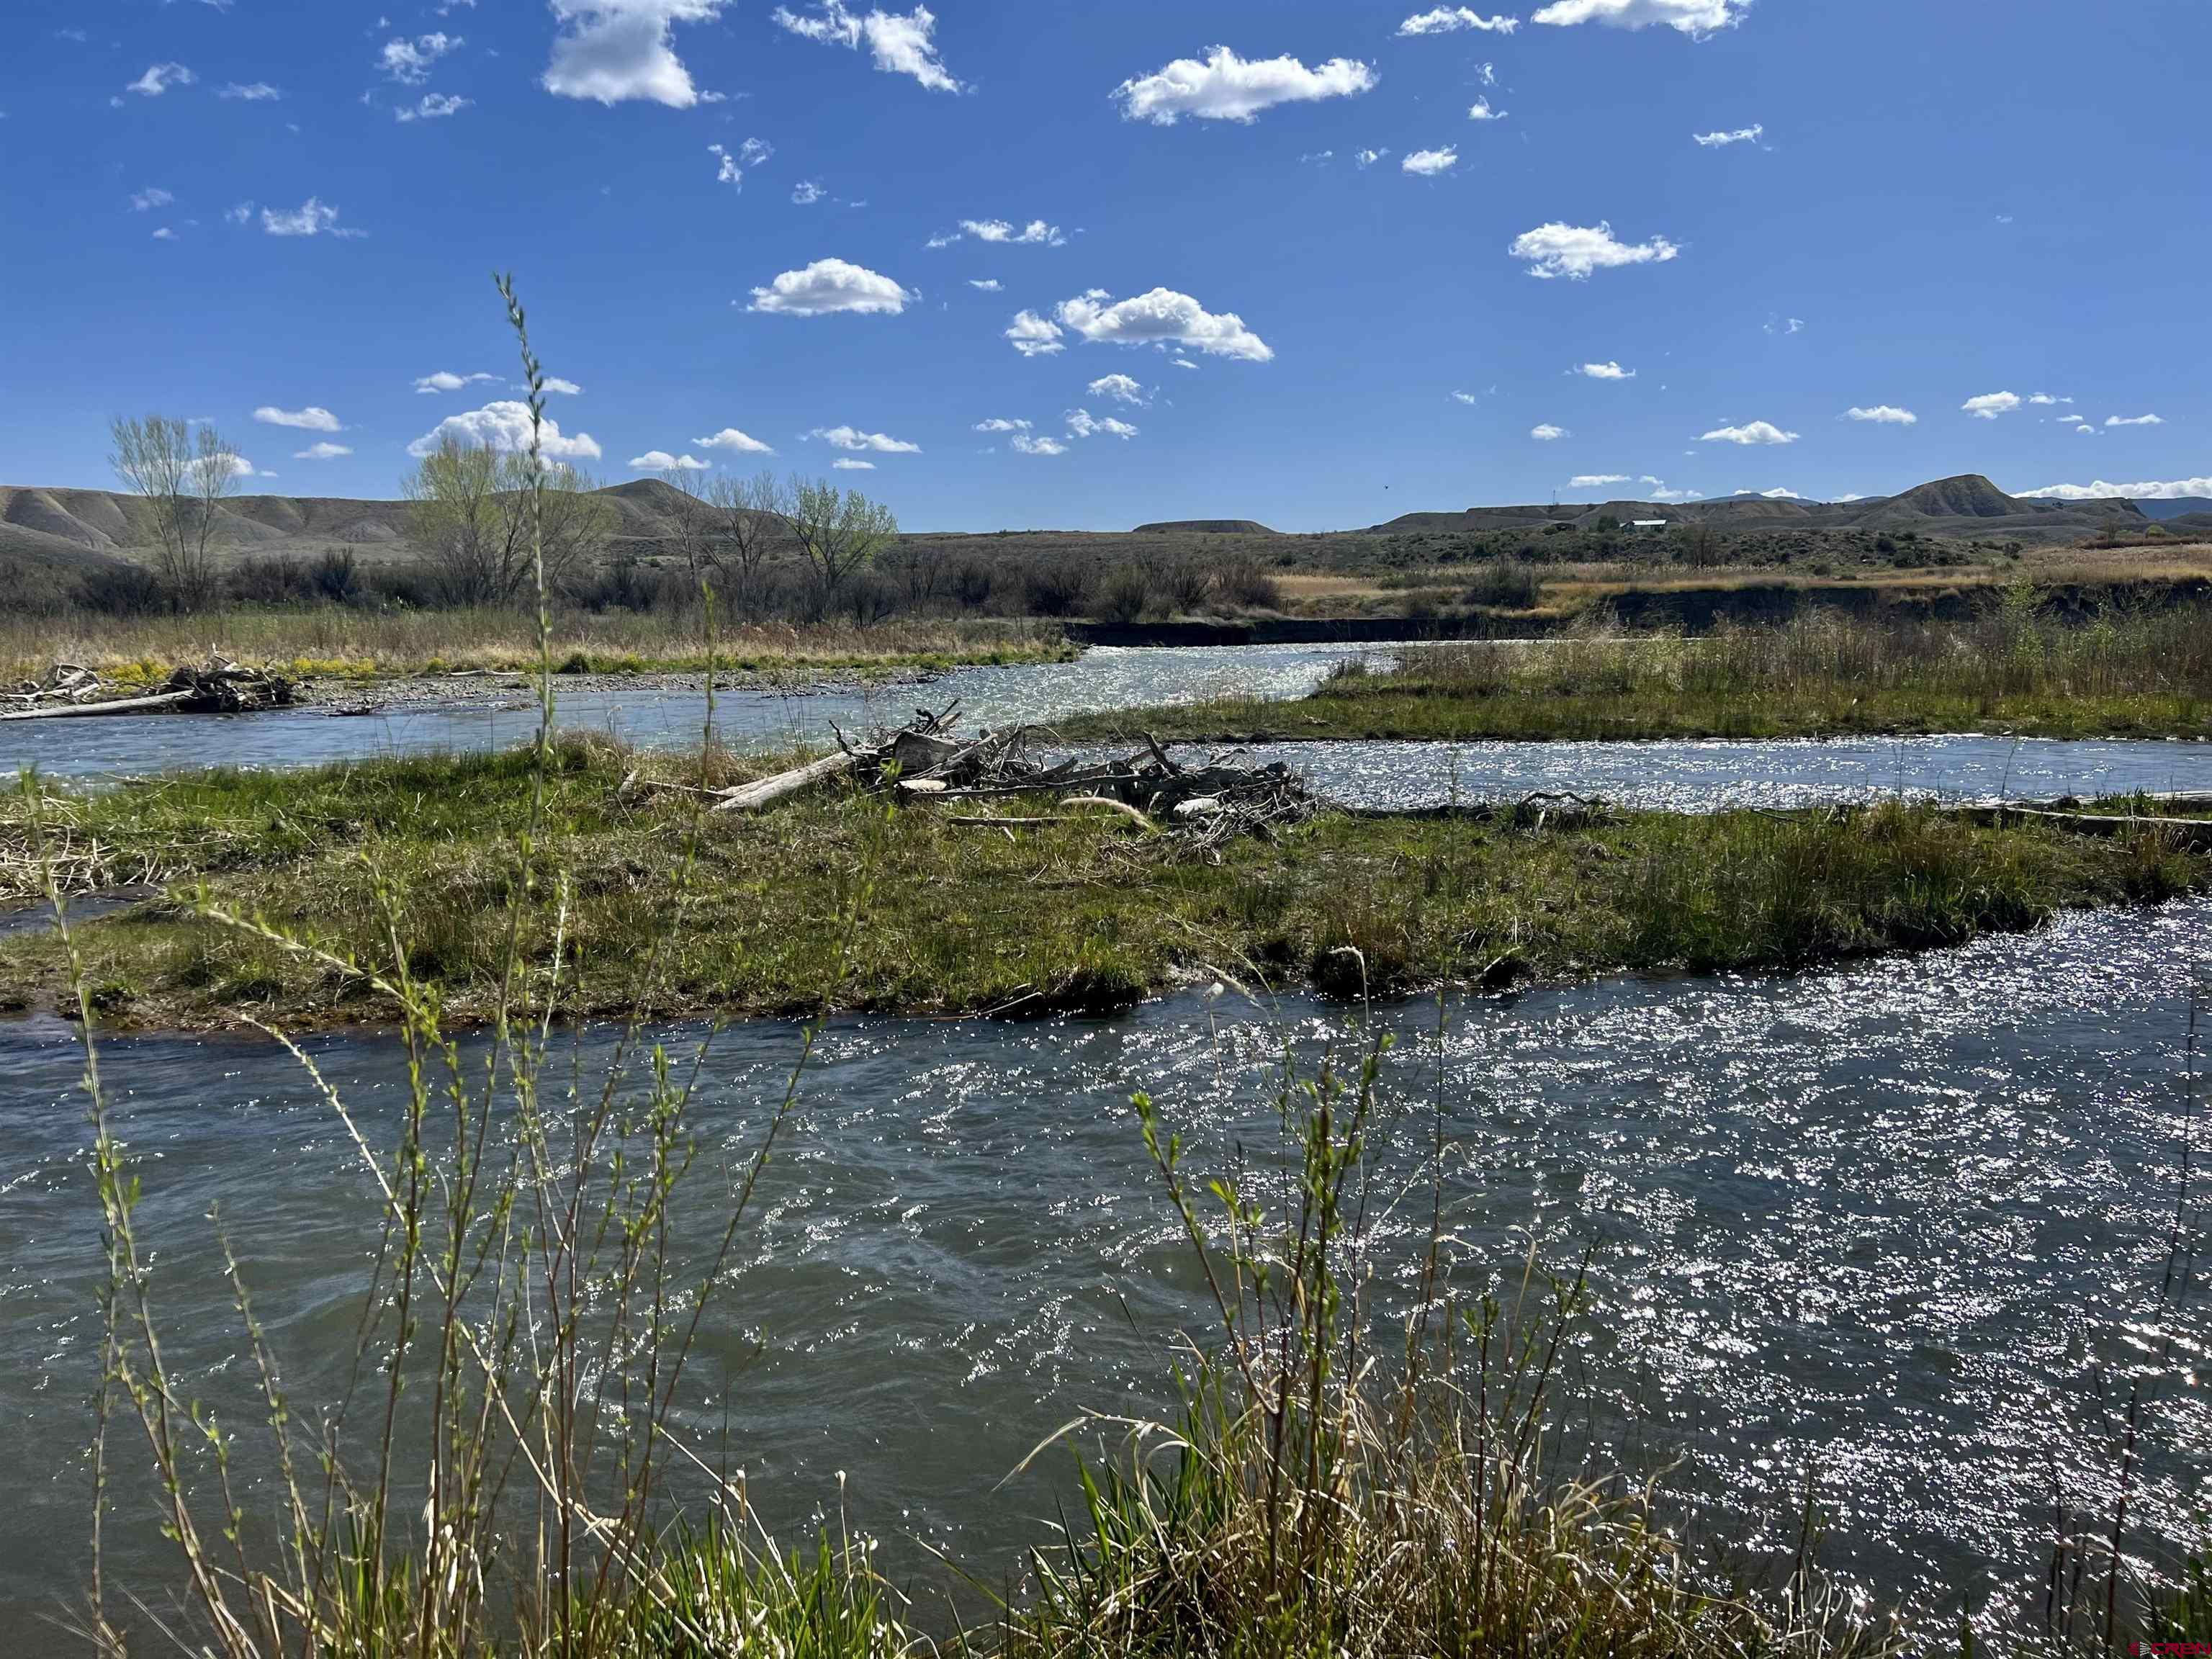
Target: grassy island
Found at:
857, 903
2018, 670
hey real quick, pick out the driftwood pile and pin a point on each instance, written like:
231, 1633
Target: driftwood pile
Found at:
925, 762
218, 686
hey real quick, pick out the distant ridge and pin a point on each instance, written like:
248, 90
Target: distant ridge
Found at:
1968, 505
1203, 527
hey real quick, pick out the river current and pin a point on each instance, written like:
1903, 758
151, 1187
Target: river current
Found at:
1894, 1228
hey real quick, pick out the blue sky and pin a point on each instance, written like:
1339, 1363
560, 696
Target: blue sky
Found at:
1324, 314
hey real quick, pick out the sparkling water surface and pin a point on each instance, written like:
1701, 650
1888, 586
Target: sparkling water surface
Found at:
1882, 1228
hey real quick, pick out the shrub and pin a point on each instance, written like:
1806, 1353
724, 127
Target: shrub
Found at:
1506, 587
1057, 589
1245, 582
1125, 597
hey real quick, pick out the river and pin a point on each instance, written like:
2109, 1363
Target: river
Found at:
1687, 776
1886, 1227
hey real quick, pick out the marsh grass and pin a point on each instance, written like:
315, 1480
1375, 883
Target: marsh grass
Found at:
2020, 668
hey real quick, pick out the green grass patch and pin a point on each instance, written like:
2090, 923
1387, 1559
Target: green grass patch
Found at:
2015, 672
943, 917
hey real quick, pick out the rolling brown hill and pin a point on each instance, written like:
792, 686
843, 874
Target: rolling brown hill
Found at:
1967, 505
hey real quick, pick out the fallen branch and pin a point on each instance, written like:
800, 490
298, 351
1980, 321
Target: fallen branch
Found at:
751, 797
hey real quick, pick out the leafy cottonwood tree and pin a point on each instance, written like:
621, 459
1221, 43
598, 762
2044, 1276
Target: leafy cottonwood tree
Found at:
183, 478
468, 513
840, 530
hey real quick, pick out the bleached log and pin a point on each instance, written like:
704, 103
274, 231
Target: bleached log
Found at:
118, 706
751, 797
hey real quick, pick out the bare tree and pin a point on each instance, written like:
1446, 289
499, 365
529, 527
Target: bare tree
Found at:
184, 479
747, 514
691, 524
469, 512
840, 530
919, 566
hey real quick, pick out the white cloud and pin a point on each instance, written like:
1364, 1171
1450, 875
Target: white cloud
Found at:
1227, 88
1449, 19
434, 106
987, 285
1772, 494
565, 388
2085, 430
410, 62
1575, 250
1883, 414
1427, 163
1120, 387
1024, 445
1083, 425
321, 452
505, 426
1660, 493
159, 78
240, 214
1990, 405
730, 169
1163, 317
258, 92
1756, 432
147, 200
1595, 480
1695, 18
900, 45
310, 419
612, 51
998, 230
1481, 111
1368, 158
805, 193
1606, 372
829, 286
1032, 336
1548, 434
165, 234
846, 437
1182, 362
310, 218
998, 424
2133, 420
447, 380
846, 464
737, 442
1750, 134
659, 460
2173, 490
1465, 398
2044, 398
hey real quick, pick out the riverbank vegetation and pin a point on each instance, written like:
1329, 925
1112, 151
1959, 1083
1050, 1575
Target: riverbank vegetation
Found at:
2019, 669
334, 644
1055, 911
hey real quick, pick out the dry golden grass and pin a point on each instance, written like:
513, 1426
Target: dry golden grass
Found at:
335, 642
